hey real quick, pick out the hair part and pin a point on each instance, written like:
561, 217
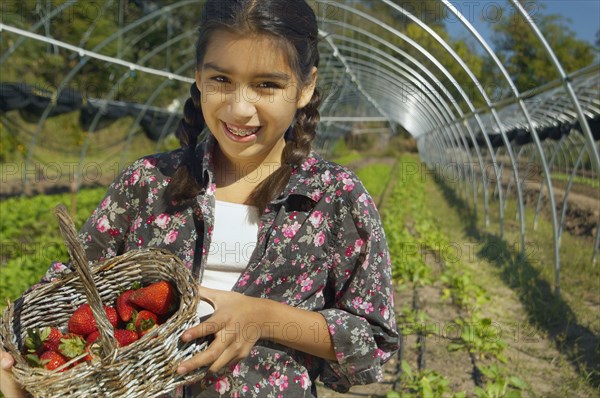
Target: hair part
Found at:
294, 25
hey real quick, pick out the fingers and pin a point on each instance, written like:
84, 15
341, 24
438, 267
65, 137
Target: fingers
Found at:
208, 295
220, 353
206, 328
8, 386
6, 360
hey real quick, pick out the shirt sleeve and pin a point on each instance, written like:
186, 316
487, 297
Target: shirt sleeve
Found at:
103, 234
361, 320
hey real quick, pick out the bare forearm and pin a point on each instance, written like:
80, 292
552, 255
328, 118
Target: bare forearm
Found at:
296, 328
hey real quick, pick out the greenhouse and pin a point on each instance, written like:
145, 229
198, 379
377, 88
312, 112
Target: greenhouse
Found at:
474, 126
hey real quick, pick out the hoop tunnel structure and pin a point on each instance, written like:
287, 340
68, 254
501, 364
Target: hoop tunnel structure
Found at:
373, 72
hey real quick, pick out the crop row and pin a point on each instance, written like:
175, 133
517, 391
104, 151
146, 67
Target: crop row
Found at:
409, 225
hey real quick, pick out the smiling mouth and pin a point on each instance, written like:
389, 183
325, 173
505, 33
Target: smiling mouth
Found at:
241, 131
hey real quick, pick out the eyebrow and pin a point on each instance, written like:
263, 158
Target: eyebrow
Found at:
271, 75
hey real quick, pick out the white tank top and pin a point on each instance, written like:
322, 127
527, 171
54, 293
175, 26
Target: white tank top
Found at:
233, 241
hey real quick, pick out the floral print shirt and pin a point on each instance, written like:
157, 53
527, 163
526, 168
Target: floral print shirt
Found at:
320, 247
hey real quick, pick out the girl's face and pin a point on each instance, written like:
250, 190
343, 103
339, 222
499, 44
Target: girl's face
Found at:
249, 96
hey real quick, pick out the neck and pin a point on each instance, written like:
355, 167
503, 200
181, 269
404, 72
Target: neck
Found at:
230, 170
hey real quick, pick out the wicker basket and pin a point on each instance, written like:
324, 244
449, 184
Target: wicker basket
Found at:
145, 368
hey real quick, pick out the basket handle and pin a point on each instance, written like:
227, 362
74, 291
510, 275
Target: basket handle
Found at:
80, 264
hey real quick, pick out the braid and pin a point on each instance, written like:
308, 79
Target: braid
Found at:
296, 150
305, 129
184, 184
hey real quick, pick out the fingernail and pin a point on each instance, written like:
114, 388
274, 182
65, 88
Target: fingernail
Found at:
186, 337
181, 370
5, 363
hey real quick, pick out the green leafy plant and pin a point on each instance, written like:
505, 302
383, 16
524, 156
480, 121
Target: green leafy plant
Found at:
480, 337
499, 384
427, 383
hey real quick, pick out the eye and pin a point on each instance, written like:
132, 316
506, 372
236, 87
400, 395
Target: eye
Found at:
220, 79
269, 85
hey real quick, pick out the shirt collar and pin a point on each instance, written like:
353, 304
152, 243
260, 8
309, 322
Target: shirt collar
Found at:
300, 182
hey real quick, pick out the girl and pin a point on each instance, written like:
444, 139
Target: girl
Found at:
288, 247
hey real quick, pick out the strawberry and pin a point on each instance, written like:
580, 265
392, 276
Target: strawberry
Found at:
158, 297
82, 321
92, 350
124, 307
145, 322
50, 338
125, 337
72, 345
52, 360
92, 337
43, 339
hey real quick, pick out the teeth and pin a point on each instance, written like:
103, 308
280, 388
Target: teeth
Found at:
241, 132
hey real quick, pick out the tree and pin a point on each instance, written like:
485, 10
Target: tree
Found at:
524, 56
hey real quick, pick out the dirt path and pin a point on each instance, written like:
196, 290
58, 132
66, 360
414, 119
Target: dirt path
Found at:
532, 353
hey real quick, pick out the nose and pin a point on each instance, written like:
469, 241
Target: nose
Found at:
242, 104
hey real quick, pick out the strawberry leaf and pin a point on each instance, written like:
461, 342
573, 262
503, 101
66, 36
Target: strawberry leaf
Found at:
72, 346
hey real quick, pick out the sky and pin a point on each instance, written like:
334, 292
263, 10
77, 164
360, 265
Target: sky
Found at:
584, 15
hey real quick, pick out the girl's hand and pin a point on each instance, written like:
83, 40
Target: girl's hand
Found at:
235, 324
8, 385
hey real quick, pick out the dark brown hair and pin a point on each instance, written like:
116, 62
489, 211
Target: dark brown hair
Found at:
294, 24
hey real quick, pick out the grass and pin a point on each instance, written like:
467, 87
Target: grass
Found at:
371, 176
577, 179
347, 158
58, 148
30, 237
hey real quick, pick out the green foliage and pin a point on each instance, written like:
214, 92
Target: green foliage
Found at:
480, 337
524, 56
31, 240
103, 28
427, 383
341, 154
413, 322
577, 179
499, 384
461, 288
375, 177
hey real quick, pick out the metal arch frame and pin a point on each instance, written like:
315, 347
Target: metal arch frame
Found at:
42, 21
440, 115
84, 60
146, 106
109, 94
488, 103
429, 160
384, 89
566, 82
533, 131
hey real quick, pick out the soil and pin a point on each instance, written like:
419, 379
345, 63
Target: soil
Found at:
583, 206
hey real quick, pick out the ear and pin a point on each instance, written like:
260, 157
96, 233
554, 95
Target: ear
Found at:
308, 90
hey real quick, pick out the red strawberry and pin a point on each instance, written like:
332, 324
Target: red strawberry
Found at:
92, 337
50, 338
145, 322
43, 339
158, 297
52, 360
82, 321
125, 337
72, 345
92, 350
124, 307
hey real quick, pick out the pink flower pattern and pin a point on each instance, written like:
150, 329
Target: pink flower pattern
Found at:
320, 247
